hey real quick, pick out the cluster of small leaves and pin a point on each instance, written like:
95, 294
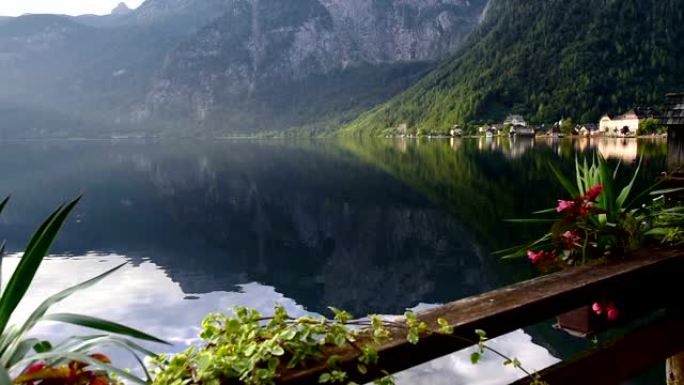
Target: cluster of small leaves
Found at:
665, 220
252, 349
248, 348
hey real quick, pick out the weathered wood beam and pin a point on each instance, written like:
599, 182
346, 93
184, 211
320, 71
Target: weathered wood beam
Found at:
674, 371
646, 276
621, 359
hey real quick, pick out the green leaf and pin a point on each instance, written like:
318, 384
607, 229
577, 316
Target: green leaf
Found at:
569, 187
412, 337
582, 175
42, 347
4, 377
288, 334
645, 192
33, 256
325, 377
444, 327
9, 336
615, 172
545, 211
475, 357
84, 344
40, 311
627, 189
24, 347
607, 198
101, 324
277, 350
410, 316
4, 203
667, 191
2, 255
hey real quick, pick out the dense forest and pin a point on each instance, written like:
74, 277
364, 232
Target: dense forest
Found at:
548, 59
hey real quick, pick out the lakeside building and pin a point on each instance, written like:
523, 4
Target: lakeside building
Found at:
456, 130
589, 129
515, 120
673, 118
626, 124
491, 129
520, 130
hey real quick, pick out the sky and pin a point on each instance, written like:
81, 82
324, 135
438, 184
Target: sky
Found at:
68, 7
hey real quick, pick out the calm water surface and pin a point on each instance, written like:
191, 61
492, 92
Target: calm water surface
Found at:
368, 226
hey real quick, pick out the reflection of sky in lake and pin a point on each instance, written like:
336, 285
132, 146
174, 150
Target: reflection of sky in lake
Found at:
144, 297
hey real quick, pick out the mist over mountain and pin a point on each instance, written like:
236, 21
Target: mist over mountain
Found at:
547, 60
215, 67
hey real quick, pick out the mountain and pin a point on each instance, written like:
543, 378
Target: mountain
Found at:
93, 69
548, 59
266, 63
121, 9
214, 67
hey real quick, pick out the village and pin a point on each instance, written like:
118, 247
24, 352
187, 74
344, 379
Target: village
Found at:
638, 121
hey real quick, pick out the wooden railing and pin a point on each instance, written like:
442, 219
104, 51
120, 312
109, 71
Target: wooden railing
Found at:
651, 280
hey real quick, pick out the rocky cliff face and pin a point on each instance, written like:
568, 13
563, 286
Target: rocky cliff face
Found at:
258, 45
225, 66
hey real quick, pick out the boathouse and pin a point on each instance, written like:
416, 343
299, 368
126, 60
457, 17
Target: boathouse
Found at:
673, 118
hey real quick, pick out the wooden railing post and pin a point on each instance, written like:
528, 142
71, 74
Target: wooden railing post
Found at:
675, 369
674, 366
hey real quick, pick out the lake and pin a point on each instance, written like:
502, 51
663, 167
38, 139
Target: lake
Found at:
374, 226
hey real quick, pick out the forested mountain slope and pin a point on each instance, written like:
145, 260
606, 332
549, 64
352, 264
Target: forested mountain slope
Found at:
548, 59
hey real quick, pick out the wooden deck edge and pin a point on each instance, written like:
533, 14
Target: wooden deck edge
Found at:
513, 307
620, 359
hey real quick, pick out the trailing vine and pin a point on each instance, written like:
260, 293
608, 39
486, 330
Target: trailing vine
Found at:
249, 348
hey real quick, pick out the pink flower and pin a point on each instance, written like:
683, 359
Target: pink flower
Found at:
565, 206
540, 256
594, 192
571, 236
612, 312
597, 308
535, 257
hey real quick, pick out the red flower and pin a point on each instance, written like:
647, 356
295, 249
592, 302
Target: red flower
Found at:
536, 257
594, 192
35, 368
612, 312
597, 308
565, 206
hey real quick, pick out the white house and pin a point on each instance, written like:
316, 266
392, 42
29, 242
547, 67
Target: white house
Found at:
626, 124
515, 120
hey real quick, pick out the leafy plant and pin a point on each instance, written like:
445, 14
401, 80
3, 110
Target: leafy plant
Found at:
601, 220
250, 348
651, 126
34, 360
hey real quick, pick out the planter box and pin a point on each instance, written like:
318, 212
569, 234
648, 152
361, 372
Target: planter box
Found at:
581, 322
